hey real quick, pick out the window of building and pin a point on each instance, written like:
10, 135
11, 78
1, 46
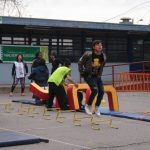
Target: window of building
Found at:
34, 41
88, 43
26, 41
146, 48
137, 50
66, 47
44, 41
67, 42
117, 50
54, 42
6, 40
19, 40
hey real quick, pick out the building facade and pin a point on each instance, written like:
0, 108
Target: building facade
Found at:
122, 42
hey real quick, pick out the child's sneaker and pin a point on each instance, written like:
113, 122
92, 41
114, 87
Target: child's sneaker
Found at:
22, 94
10, 94
97, 110
87, 109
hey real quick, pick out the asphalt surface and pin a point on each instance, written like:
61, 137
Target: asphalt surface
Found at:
130, 135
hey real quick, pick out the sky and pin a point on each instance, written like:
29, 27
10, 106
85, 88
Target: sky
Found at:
89, 10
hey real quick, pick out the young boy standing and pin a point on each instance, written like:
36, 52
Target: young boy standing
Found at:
90, 67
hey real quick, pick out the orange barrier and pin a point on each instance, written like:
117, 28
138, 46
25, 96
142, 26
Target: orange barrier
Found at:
72, 95
112, 97
40, 93
110, 90
132, 82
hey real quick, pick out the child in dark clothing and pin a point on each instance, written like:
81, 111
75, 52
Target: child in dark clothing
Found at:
38, 57
40, 75
56, 62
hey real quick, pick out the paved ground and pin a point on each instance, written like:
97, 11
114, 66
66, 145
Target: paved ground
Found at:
131, 135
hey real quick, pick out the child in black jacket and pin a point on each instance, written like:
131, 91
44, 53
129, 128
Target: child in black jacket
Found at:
40, 75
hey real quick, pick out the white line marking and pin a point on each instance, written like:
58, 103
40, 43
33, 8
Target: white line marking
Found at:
53, 140
74, 145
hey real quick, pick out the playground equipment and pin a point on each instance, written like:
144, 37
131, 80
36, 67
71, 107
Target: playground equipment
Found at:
73, 98
39, 91
108, 89
112, 97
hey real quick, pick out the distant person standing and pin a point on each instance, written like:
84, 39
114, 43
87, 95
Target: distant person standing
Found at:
56, 62
19, 71
37, 58
91, 67
40, 76
36, 68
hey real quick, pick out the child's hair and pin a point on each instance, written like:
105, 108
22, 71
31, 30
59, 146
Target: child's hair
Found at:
42, 62
96, 42
67, 62
54, 54
37, 55
18, 57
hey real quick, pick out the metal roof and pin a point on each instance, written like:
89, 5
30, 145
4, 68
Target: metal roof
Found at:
72, 24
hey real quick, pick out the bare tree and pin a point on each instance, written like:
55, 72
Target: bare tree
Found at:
10, 7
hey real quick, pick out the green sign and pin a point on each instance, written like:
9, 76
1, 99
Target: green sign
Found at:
9, 53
